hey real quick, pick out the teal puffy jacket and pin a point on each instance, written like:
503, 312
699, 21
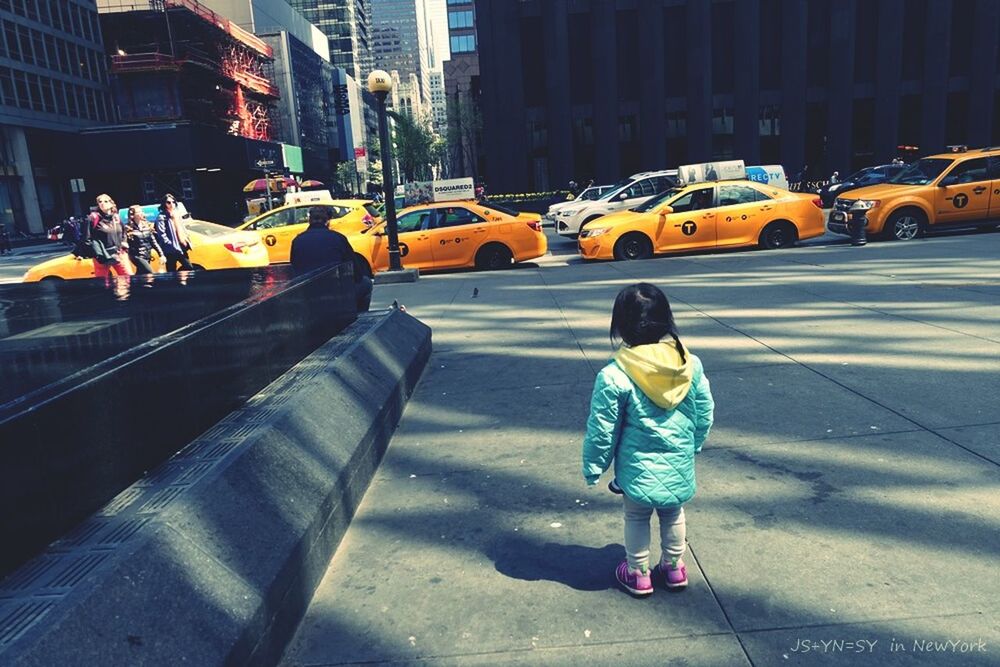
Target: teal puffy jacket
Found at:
653, 447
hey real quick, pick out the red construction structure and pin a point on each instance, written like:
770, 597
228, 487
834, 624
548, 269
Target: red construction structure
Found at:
179, 60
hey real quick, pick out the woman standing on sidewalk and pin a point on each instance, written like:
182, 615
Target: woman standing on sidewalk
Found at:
142, 240
650, 412
106, 238
172, 234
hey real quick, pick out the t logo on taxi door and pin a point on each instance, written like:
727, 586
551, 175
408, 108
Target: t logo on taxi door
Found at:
270, 240
689, 228
960, 200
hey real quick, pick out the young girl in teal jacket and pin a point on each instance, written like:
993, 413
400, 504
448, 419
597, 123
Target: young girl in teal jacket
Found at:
650, 412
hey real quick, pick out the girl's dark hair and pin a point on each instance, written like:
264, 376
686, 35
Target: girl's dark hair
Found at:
642, 316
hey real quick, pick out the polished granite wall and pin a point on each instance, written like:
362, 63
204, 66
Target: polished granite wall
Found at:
101, 383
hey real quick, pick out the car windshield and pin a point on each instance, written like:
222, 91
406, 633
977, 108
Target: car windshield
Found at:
503, 209
209, 229
615, 188
653, 202
921, 172
858, 175
592, 193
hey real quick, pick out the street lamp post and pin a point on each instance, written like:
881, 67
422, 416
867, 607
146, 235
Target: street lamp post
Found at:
379, 84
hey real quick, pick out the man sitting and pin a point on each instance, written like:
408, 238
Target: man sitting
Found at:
320, 246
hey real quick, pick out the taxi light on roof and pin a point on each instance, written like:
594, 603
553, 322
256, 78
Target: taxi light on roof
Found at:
957, 148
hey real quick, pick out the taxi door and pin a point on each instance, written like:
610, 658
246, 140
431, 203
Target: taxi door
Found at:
963, 193
741, 213
456, 235
691, 225
278, 229
414, 242
995, 188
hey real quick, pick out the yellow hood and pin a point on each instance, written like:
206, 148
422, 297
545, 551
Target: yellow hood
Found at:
658, 371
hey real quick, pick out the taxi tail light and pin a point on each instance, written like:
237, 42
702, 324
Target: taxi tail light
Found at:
818, 202
239, 246
535, 225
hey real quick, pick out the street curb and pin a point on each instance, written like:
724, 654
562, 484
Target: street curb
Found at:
224, 571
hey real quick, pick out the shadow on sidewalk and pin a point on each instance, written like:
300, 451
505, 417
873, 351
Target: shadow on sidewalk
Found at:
579, 567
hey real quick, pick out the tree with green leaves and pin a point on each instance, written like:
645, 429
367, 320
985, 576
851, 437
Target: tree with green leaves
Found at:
412, 147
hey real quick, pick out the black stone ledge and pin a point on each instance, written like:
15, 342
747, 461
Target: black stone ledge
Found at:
222, 571
71, 445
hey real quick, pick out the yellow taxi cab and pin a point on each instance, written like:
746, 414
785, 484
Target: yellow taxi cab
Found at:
212, 247
279, 226
703, 215
455, 234
960, 188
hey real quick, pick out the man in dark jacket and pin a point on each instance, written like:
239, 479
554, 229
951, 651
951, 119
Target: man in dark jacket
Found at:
321, 246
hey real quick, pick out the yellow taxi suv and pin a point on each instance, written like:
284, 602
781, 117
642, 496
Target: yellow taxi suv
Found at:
960, 188
279, 226
724, 214
455, 235
212, 247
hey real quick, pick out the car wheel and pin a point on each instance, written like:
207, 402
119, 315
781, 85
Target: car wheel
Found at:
633, 246
494, 256
51, 279
781, 234
905, 225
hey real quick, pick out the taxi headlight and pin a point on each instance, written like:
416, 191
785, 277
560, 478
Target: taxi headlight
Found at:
864, 204
591, 233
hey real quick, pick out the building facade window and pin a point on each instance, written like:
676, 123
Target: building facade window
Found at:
770, 44
461, 19
463, 43
722, 134
818, 43
769, 131
914, 36
723, 53
675, 51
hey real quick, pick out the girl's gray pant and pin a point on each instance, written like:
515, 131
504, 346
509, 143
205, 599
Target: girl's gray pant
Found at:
672, 533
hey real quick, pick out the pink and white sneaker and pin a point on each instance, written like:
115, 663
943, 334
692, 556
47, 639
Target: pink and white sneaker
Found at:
674, 573
636, 582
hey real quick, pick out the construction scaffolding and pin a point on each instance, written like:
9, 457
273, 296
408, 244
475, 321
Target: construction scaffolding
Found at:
176, 59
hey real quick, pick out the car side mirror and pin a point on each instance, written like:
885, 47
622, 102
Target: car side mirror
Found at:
623, 195
666, 209
948, 180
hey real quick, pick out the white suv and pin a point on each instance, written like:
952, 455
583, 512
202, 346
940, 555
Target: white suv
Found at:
632, 191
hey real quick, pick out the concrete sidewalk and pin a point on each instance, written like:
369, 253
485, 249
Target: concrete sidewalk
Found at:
848, 492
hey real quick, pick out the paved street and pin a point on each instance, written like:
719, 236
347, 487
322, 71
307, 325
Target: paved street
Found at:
848, 491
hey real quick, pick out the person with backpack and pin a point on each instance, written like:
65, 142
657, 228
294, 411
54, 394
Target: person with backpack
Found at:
107, 241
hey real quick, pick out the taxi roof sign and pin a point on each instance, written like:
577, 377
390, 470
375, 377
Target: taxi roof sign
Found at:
957, 148
731, 170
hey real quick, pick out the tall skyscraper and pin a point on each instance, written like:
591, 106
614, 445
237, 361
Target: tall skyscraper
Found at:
400, 42
461, 79
53, 81
347, 24
437, 20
